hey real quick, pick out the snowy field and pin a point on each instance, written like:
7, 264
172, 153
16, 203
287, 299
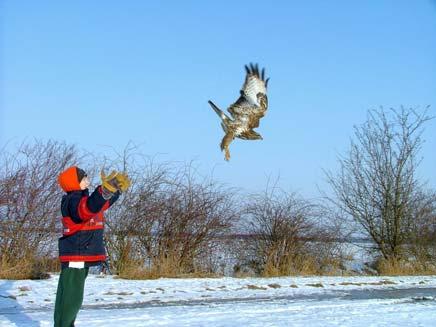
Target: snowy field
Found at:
291, 301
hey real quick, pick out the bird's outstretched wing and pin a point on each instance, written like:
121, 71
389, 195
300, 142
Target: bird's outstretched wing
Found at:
253, 100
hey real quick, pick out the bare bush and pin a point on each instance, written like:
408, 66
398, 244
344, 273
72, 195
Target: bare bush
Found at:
130, 222
167, 222
30, 201
285, 236
421, 245
194, 213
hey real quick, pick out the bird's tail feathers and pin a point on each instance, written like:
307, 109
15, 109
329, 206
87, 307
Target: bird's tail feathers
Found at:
219, 112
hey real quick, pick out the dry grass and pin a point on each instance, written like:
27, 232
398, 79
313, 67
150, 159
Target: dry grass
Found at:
381, 282
244, 274
274, 285
13, 271
134, 269
28, 268
255, 287
138, 273
315, 285
303, 266
395, 267
350, 284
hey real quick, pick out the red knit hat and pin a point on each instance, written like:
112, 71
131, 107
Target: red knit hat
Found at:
69, 179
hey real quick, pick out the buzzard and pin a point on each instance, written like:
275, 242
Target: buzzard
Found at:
246, 112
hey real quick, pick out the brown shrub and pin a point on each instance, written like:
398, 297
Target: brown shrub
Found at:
398, 267
287, 237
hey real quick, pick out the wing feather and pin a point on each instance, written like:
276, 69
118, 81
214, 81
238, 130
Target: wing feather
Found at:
249, 102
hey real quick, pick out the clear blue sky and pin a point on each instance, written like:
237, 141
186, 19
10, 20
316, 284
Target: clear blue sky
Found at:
98, 73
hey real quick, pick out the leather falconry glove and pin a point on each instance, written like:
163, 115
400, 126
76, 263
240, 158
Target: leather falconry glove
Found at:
109, 184
123, 182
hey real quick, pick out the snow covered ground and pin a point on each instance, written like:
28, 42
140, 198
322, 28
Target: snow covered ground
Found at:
290, 301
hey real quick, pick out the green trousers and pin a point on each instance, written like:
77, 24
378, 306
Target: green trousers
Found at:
69, 296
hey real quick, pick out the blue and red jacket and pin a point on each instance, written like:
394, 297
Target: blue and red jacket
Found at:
82, 220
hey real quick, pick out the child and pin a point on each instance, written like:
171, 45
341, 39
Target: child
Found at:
81, 245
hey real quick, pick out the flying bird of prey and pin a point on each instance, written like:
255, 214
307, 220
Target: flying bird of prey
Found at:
246, 112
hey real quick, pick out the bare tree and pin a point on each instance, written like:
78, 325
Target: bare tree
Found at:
30, 199
377, 184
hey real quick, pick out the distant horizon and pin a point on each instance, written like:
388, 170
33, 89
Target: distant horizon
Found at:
100, 77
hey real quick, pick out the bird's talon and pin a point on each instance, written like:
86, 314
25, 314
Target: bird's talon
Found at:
227, 155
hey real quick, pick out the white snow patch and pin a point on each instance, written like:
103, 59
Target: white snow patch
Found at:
285, 301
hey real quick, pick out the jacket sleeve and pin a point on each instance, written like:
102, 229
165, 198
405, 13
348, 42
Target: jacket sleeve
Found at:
114, 198
85, 207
